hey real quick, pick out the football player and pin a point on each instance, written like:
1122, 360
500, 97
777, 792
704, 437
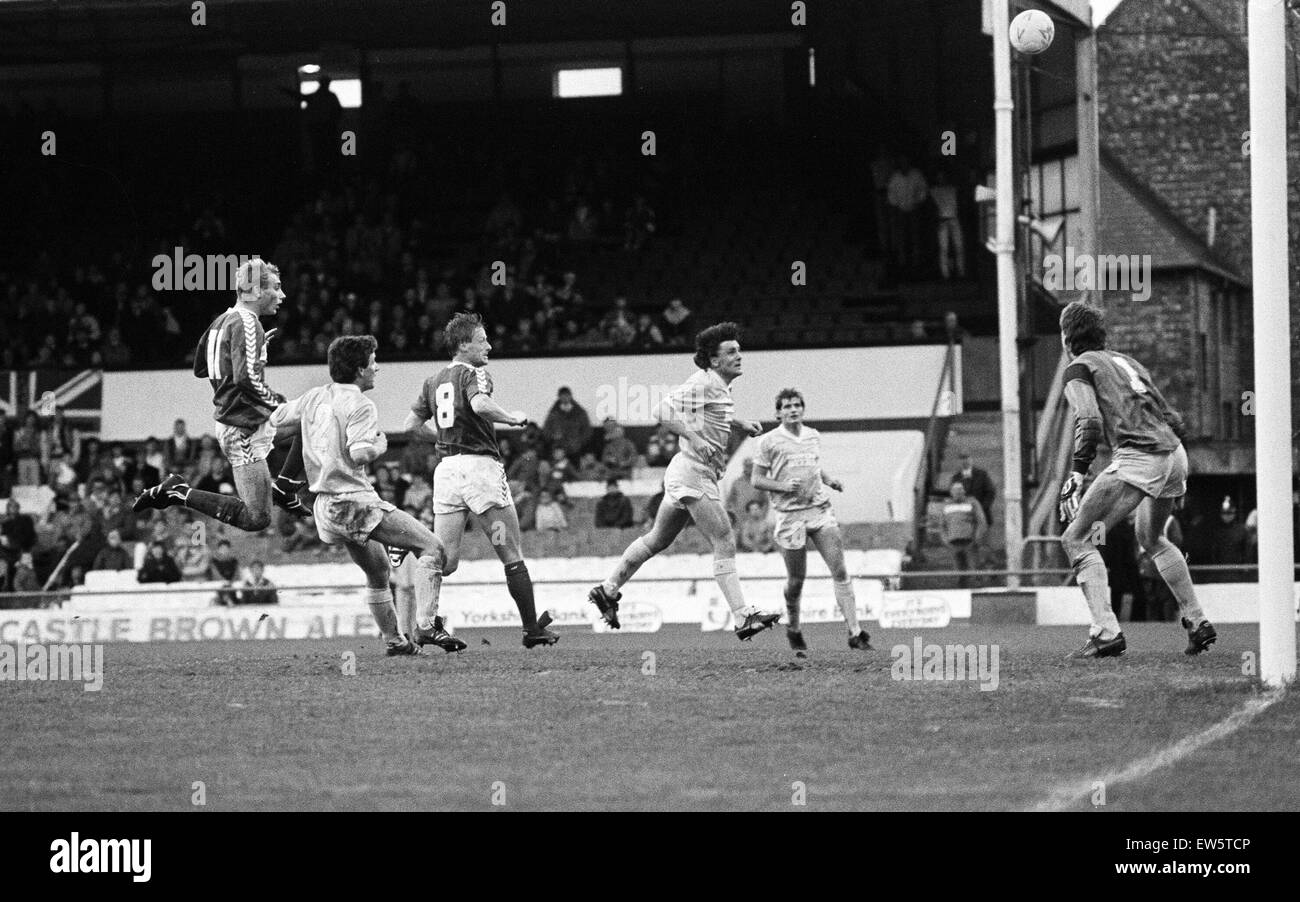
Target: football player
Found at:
1114, 400
700, 411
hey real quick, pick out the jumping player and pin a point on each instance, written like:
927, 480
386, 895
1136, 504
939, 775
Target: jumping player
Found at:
341, 435
232, 356
470, 479
701, 412
788, 465
1114, 399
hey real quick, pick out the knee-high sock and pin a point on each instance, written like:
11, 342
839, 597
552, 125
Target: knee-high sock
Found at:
293, 466
1173, 570
381, 608
792, 599
226, 508
428, 585
1090, 573
405, 602
520, 585
848, 605
634, 556
724, 571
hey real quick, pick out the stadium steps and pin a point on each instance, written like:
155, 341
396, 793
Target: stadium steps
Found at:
979, 433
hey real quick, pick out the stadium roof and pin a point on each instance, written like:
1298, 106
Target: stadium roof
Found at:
1133, 217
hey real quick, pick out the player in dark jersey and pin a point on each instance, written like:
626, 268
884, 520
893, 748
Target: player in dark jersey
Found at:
455, 409
1115, 401
231, 355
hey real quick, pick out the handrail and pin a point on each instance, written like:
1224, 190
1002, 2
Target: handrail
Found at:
925, 472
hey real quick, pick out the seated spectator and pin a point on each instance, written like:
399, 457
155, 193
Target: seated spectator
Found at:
755, 530
159, 567
116, 514
193, 558
620, 455
525, 504
567, 424
742, 492
297, 533
218, 479
647, 336
524, 469
661, 447
550, 514
613, 510
24, 579
17, 530
224, 567
616, 324
114, 555
257, 588
639, 224
677, 323
561, 467
590, 469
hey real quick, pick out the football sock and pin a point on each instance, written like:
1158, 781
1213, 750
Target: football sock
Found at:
226, 508
724, 571
634, 556
293, 467
405, 602
428, 583
848, 605
381, 608
1173, 570
1090, 573
520, 585
792, 598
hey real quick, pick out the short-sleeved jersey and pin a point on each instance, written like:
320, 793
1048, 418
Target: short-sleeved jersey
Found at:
333, 418
788, 456
232, 356
1134, 414
704, 402
445, 399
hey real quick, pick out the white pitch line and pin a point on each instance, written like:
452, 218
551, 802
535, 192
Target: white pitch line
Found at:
1071, 794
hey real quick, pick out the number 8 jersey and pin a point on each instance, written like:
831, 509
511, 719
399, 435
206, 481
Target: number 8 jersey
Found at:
1134, 413
445, 399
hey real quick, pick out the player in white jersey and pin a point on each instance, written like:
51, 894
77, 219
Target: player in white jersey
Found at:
701, 411
788, 465
340, 436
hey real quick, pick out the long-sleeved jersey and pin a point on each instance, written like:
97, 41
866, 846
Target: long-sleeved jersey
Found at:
232, 356
1134, 414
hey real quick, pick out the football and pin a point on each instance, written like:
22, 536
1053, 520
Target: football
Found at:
1032, 31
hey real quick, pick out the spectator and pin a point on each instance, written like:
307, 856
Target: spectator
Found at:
257, 588
27, 450
418, 492
6, 456
159, 567
616, 325
524, 469
525, 504
639, 224
567, 424
977, 484
907, 193
63, 476
25, 576
550, 514
614, 509
1228, 542
944, 196
561, 467
590, 469
661, 447
193, 558
742, 492
962, 527
647, 337
620, 455
114, 555
756, 533
224, 568
17, 530
180, 451
677, 323
116, 515
1120, 554
882, 169
217, 479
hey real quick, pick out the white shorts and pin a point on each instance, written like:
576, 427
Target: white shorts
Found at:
349, 519
245, 446
1160, 475
685, 479
792, 527
472, 482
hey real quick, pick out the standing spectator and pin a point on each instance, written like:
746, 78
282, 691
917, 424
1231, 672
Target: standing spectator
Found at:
159, 567
963, 526
620, 455
756, 532
180, 451
17, 530
944, 195
907, 194
6, 456
1228, 543
114, 555
550, 514
28, 450
567, 424
977, 484
639, 224
257, 588
614, 509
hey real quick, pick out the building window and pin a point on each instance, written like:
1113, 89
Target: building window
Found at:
593, 82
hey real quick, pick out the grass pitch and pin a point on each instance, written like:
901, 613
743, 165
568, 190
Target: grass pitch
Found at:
590, 724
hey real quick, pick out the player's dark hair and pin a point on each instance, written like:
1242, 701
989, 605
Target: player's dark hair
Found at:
709, 340
1084, 327
460, 329
789, 393
349, 353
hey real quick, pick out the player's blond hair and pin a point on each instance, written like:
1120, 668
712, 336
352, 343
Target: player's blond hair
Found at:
254, 276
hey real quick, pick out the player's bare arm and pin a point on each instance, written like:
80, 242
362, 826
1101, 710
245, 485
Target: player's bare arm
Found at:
419, 427
669, 417
760, 480
831, 482
493, 412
